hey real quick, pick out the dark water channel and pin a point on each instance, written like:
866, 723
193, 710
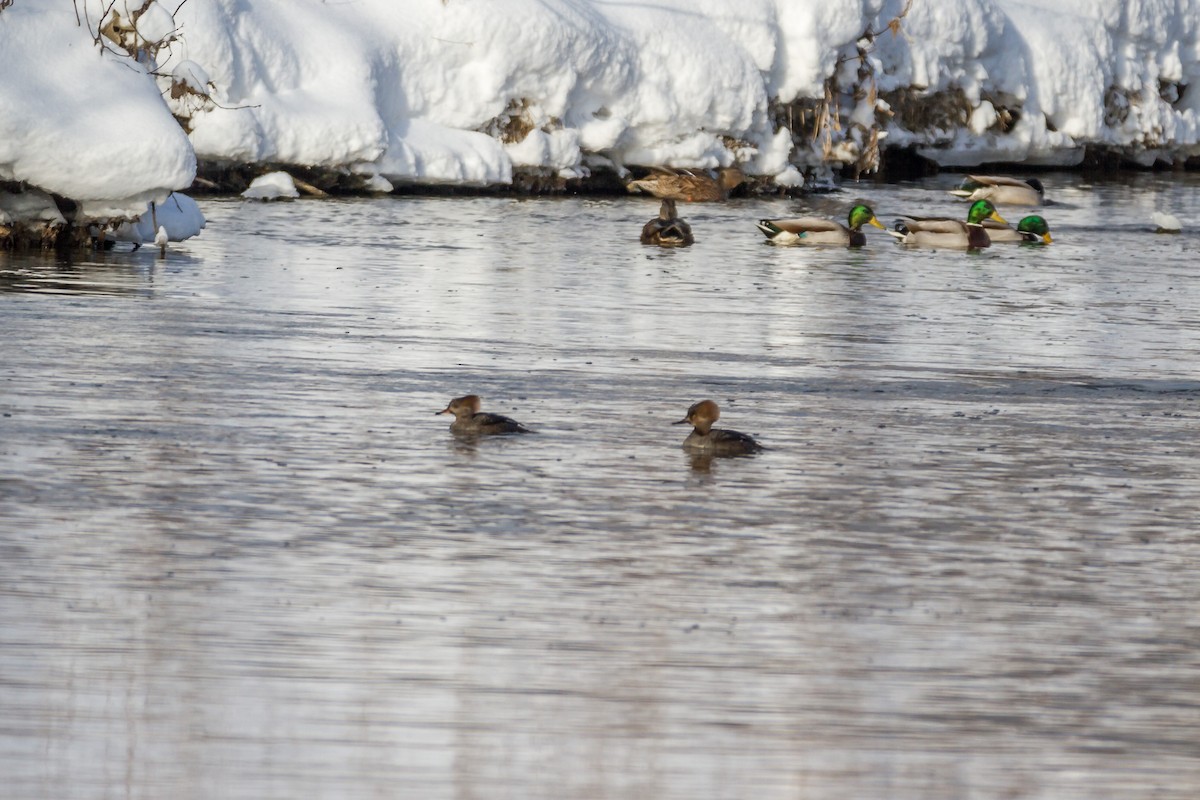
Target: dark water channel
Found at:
241, 558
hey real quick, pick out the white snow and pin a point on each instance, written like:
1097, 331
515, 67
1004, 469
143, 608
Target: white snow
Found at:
272, 186
1078, 71
1166, 223
178, 214
466, 91
191, 75
80, 122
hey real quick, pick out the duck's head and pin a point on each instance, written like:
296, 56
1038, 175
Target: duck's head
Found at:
1036, 228
701, 416
969, 185
461, 407
861, 214
667, 210
981, 210
730, 178
770, 229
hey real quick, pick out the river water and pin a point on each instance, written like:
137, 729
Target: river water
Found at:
240, 557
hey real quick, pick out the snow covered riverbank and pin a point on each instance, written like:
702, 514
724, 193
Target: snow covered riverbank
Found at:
471, 92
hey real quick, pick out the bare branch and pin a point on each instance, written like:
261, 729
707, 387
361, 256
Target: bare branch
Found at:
893, 24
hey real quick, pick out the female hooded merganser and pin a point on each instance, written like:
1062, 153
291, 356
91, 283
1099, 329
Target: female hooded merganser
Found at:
470, 421
704, 438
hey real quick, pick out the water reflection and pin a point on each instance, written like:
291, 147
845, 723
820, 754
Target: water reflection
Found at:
241, 558
99, 273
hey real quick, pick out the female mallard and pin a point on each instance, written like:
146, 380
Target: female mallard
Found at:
689, 187
667, 229
1032, 229
1002, 190
815, 230
950, 233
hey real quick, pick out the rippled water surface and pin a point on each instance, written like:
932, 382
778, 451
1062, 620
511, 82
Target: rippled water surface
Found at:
241, 558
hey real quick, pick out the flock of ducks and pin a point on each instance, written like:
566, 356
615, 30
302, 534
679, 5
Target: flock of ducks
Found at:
982, 225
705, 440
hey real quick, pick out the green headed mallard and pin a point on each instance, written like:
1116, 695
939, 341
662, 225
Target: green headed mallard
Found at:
667, 229
1002, 190
815, 230
950, 233
1032, 229
687, 186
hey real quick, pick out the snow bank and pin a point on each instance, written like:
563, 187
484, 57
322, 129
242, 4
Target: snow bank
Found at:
469, 91
1037, 80
272, 186
464, 91
80, 122
85, 135
178, 215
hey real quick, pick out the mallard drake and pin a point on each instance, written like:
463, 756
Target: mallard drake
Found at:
950, 233
708, 440
470, 421
1002, 190
1032, 229
667, 229
687, 186
815, 230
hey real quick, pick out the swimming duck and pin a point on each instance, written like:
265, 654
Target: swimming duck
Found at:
667, 229
470, 421
1032, 229
1002, 190
687, 186
815, 230
704, 438
950, 233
